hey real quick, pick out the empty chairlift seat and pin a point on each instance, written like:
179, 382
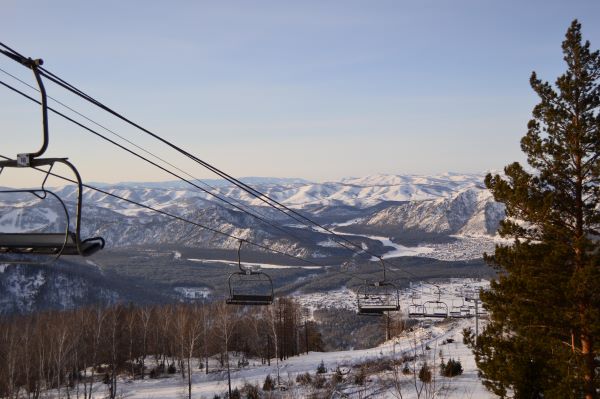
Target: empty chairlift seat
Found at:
437, 309
378, 298
415, 310
53, 244
249, 287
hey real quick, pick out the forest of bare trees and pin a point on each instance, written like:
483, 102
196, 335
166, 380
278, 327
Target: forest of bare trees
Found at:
72, 352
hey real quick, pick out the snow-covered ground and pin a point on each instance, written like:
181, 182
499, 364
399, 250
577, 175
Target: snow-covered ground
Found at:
429, 341
251, 265
462, 248
410, 343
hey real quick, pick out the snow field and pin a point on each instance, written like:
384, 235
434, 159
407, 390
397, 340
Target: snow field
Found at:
432, 334
378, 385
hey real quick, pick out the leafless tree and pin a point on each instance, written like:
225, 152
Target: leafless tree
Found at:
224, 329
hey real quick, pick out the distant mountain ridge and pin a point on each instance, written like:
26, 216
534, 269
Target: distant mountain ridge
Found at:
352, 191
250, 180
378, 205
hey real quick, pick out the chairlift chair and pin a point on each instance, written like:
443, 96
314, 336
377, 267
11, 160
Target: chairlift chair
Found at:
469, 294
482, 312
379, 297
376, 298
248, 286
436, 308
55, 244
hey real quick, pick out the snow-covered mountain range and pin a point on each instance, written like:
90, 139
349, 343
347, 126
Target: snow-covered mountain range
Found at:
396, 206
357, 192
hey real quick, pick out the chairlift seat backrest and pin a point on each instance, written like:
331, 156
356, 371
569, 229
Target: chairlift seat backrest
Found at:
437, 309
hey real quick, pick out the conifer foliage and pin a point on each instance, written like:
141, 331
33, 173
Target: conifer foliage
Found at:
543, 336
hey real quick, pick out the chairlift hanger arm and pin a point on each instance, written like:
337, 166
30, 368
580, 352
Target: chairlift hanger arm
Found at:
383, 266
25, 159
239, 251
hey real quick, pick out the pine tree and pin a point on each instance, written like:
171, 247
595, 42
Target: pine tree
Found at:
542, 338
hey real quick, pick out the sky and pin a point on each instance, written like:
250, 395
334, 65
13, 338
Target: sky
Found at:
313, 89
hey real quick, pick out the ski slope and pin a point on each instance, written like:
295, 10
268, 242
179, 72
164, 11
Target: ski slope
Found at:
466, 385
427, 341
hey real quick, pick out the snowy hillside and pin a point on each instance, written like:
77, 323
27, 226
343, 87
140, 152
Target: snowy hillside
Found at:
468, 212
445, 338
28, 289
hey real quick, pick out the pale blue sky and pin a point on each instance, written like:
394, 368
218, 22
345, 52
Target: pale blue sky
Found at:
313, 89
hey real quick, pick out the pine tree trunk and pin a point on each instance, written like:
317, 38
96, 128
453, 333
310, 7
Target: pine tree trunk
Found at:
588, 356
586, 340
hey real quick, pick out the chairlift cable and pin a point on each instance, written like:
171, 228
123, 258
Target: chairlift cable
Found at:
152, 163
257, 194
127, 200
297, 216
179, 177
164, 169
127, 140
185, 180
240, 184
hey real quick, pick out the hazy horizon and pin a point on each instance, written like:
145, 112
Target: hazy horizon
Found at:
257, 179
